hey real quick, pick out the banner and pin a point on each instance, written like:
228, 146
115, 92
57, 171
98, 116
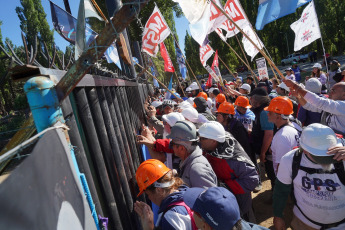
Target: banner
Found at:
168, 65
306, 28
155, 32
271, 10
90, 11
193, 9
262, 68
155, 82
205, 53
211, 19
220, 34
112, 55
248, 46
234, 9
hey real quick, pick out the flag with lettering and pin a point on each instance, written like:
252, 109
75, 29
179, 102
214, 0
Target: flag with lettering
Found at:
155, 32
205, 53
306, 28
234, 9
168, 65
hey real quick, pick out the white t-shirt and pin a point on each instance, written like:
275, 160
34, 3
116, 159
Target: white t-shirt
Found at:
321, 197
284, 141
291, 77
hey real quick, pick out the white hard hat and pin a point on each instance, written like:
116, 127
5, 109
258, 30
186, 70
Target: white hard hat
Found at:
172, 118
191, 114
212, 130
246, 87
284, 86
193, 86
210, 90
185, 105
317, 65
313, 85
156, 103
317, 139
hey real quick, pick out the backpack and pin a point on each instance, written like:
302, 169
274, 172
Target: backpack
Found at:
338, 169
189, 210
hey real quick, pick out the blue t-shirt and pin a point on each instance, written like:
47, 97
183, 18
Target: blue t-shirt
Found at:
265, 124
297, 73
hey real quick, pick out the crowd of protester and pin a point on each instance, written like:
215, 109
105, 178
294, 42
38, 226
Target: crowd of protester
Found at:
206, 144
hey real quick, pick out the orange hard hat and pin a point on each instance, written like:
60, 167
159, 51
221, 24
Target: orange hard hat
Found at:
280, 105
220, 98
243, 101
149, 172
202, 94
227, 108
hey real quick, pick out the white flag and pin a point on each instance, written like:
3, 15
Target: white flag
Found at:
306, 28
248, 46
210, 20
112, 55
193, 9
155, 32
90, 11
234, 9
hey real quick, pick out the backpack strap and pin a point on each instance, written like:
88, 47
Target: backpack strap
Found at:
296, 161
190, 212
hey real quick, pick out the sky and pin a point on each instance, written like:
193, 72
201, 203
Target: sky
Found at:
11, 25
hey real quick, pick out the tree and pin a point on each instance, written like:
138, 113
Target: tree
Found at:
33, 23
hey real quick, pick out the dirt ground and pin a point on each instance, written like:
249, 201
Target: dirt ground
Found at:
262, 202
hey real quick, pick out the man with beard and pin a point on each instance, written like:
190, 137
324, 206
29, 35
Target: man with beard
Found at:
315, 173
231, 163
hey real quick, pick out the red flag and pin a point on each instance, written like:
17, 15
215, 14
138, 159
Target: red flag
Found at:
214, 63
205, 53
168, 66
156, 31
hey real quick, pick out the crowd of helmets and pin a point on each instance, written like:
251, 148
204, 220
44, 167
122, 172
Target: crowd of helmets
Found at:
228, 122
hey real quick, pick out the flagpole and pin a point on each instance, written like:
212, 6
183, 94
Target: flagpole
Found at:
323, 48
249, 39
99, 11
178, 45
226, 67
232, 49
179, 84
245, 56
172, 93
257, 37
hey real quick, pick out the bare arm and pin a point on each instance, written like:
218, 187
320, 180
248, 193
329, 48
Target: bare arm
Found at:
268, 136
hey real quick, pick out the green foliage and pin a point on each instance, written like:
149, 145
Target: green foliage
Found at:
33, 22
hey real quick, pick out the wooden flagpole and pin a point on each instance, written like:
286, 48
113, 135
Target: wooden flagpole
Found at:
99, 11
182, 53
244, 34
226, 67
179, 84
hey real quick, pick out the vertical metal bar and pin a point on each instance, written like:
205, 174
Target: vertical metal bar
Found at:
116, 172
125, 124
96, 153
120, 133
131, 65
79, 151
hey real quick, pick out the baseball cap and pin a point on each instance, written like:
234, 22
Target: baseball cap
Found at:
216, 205
284, 86
288, 69
246, 87
313, 85
193, 86
317, 65
259, 91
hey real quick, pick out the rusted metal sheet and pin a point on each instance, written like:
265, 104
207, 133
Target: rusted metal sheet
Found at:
78, 70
